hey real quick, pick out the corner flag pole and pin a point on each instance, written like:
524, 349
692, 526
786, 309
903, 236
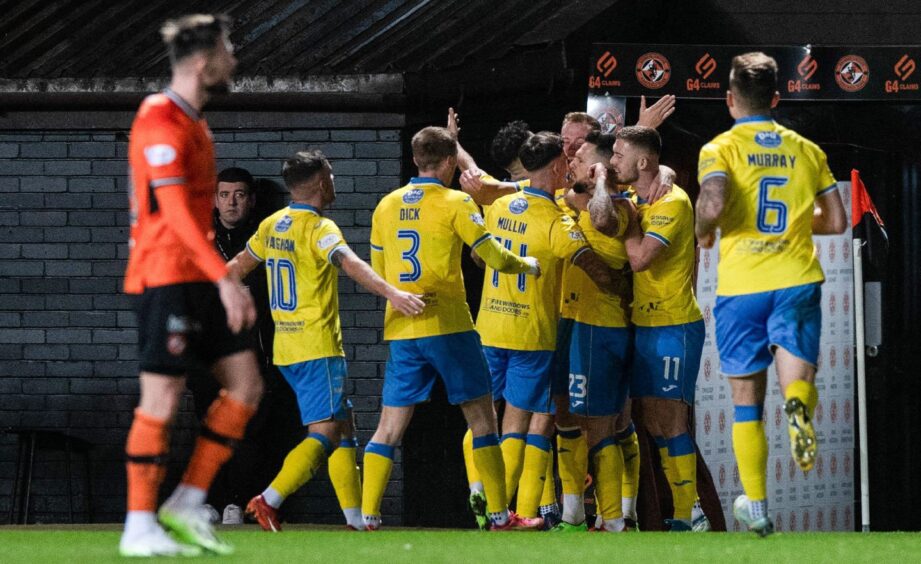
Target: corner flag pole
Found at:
861, 386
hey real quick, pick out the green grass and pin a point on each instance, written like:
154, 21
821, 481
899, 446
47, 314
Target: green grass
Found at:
98, 544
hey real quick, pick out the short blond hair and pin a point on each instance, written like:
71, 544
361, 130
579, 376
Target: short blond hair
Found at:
432, 145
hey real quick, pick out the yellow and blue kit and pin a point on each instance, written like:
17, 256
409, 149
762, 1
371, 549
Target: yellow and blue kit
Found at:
417, 235
296, 244
593, 361
669, 332
768, 278
518, 315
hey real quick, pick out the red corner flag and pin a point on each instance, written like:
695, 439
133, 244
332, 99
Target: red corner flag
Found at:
868, 225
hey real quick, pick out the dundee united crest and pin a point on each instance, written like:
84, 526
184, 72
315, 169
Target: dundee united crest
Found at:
653, 70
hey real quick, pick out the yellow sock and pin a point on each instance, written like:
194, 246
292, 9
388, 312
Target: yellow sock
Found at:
668, 466
805, 392
533, 476
573, 465
750, 445
609, 469
343, 473
301, 464
473, 477
683, 460
378, 463
548, 496
630, 447
488, 459
513, 458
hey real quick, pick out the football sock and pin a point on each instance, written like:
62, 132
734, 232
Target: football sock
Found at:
630, 447
346, 479
684, 460
513, 458
573, 466
300, 465
489, 462
473, 477
146, 449
533, 476
378, 463
805, 392
609, 467
750, 445
668, 467
548, 496
222, 429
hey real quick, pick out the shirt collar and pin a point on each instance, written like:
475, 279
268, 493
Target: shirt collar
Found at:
304, 207
752, 119
425, 180
193, 114
531, 191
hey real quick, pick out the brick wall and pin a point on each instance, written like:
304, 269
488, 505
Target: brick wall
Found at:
67, 333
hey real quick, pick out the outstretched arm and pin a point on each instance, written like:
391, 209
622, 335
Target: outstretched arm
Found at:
656, 114
483, 189
499, 258
243, 264
464, 160
361, 272
710, 206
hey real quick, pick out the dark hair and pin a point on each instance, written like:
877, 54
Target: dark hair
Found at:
540, 149
642, 137
508, 140
431, 145
237, 174
191, 34
754, 79
603, 142
302, 167
581, 117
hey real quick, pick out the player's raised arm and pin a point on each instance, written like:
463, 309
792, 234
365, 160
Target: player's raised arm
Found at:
358, 270
656, 114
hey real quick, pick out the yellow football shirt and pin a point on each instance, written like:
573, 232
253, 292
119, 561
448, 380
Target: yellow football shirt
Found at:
663, 294
517, 311
582, 300
774, 175
296, 244
417, 234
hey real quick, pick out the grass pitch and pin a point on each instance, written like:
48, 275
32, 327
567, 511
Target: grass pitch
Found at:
99, 544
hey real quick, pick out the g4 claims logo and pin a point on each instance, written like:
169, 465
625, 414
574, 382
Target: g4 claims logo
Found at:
903, 68
805, 69
704, 67
606, 64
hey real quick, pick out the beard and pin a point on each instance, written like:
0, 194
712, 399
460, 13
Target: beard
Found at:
580, 187
218, 88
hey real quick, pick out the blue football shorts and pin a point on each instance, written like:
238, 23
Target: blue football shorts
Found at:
598, 362
666, 360
319, 387
750, 326
415, 363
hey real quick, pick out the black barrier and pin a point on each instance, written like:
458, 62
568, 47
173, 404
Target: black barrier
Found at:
805, 72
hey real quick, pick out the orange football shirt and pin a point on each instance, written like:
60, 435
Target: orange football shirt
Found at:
170, 150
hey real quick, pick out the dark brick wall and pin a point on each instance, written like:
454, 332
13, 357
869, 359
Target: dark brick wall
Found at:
67, 333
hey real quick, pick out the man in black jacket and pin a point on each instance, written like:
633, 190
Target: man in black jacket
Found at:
275, 428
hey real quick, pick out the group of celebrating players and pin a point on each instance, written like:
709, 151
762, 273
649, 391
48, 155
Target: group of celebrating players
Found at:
588, 301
